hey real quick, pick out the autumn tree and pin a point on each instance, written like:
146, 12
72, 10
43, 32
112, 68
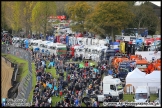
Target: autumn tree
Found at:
109, 16
12, 15
3, 8
145, 17
41, 12
26, 15
78, 12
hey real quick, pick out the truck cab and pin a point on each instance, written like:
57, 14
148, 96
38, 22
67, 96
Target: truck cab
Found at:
73, 50
100, 53
90, 52
111, 87
124, 68
142, 94
43, 45
60, 49
79, 51
108, 53
51, 48
36, 44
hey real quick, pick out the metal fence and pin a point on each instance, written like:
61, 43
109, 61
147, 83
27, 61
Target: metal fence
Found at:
26, 84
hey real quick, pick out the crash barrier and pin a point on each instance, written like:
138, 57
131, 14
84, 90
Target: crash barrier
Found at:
25, 86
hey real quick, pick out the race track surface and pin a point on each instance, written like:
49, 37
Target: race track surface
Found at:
6, 75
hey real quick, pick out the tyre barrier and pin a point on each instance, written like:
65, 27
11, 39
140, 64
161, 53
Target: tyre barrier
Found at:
14, 75
13, 91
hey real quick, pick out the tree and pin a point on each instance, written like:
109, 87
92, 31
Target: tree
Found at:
109, 16
145, 17
3, 22
41, 12
77, 12
27, 8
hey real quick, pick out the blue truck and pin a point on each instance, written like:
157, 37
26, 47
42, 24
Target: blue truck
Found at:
124, 69
106, 54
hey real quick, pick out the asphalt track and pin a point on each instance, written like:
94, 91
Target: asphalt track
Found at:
6, 73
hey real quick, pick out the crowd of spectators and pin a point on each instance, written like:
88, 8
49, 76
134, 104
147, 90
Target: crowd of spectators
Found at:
71, 83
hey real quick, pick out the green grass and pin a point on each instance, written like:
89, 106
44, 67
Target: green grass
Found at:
52, 70
129, 97
56, 99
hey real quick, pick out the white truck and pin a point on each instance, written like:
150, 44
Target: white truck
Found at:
43, 45
142, 94
36, 44
99, 52
90, 51
102, 42
79, 51
111, 87
60, 49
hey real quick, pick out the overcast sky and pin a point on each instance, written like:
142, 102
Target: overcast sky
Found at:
158, 3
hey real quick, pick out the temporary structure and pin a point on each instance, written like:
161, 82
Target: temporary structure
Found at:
136, 78
153, 79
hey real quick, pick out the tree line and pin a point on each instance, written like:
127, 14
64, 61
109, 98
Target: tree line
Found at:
98, 17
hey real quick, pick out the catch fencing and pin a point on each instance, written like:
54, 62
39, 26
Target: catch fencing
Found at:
26, 84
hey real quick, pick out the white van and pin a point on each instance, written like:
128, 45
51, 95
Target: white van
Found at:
43, 45
36, 44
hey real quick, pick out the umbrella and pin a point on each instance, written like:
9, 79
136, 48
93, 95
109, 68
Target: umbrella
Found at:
49, 85
95, 70
81, 65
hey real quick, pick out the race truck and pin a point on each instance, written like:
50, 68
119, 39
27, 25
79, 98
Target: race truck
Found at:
111, 87
124, 68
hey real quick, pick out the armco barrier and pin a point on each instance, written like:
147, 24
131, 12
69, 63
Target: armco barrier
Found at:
25, 85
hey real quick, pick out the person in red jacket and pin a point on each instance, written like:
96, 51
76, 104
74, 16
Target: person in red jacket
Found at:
60, 94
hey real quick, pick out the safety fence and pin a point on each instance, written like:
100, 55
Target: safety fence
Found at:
25, 86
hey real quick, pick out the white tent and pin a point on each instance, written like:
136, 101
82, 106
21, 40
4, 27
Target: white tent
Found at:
136, 78
140, 72
153, 79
